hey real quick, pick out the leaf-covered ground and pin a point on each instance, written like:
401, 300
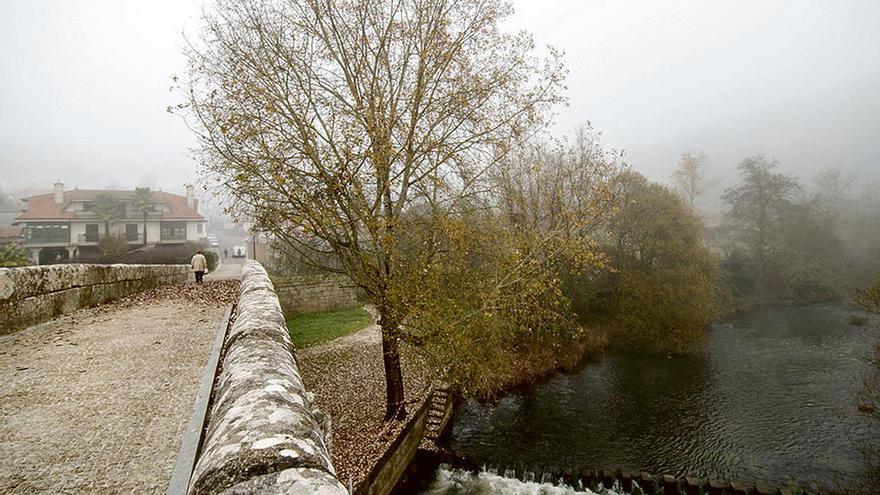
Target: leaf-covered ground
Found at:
347, 378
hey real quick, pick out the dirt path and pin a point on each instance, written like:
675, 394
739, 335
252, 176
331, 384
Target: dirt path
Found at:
96, 402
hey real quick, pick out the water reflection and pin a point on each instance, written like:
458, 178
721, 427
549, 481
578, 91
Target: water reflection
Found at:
771, 397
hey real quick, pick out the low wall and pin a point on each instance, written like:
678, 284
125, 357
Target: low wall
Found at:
305, 294
427, 423
34, 294
263, 434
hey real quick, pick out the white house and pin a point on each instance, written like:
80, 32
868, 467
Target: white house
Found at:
59, 225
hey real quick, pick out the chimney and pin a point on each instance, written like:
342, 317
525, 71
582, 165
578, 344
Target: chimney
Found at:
190, 197
59, 192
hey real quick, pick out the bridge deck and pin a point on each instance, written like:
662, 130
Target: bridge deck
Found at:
97, 401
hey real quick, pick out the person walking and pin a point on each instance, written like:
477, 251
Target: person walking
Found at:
199, 265
225, 253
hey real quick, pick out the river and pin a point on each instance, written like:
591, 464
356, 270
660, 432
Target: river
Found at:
770, 399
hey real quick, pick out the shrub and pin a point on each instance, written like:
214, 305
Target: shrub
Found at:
11, 256
112, 247
857, 320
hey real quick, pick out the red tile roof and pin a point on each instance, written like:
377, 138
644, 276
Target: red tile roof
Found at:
177, 208
44, 207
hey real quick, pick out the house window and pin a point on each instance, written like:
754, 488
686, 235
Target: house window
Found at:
172, 231
200, 228
48, 232
91, 232
131, 232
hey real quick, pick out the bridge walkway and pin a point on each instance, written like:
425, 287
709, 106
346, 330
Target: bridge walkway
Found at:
229, 269
97, 401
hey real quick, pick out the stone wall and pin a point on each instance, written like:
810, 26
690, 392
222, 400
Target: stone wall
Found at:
34, 294
263, 434
305, 294
427, 423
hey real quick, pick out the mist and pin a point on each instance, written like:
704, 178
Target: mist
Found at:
631, 234
85, 85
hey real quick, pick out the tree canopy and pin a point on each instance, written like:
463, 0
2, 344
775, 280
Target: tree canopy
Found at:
328, 121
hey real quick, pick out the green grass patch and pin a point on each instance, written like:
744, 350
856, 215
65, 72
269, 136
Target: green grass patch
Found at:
310, 329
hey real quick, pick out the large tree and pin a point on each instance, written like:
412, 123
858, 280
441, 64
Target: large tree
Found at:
328, 121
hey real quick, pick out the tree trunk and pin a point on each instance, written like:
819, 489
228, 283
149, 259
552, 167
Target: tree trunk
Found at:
145, 229
394, 405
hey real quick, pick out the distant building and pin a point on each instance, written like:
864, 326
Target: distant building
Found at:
58, 226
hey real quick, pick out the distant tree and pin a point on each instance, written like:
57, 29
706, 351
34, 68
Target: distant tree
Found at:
328, 121
690, 179
143, 204
832, 191
106, 208
756, 209
810, 257
662, 287
785, 245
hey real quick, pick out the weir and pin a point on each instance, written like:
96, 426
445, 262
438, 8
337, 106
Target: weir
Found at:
616, 480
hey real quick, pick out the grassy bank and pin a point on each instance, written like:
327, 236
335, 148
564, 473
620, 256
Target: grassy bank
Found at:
310, 329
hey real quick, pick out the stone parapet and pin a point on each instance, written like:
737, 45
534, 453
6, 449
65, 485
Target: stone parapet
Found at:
263, 434
34, 294
306, 294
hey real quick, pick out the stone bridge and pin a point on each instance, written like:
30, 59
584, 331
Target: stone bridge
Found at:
96, 395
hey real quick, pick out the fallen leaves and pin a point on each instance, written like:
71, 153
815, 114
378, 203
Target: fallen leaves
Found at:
208, 294
349, 384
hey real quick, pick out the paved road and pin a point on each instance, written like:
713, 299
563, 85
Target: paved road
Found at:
228, 270
97, 402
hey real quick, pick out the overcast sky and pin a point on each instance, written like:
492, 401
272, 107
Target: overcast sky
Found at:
84, 84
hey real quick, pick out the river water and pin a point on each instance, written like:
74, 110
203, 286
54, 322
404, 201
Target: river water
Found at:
770, 399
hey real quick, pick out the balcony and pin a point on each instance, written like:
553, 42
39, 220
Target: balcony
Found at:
91, 240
